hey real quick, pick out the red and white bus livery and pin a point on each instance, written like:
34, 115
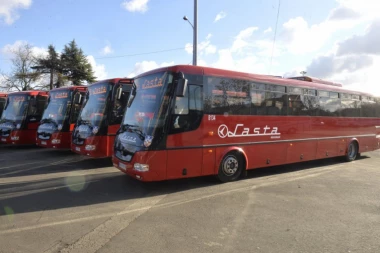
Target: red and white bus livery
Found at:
188, 121
100, 117
3, 100
60, 116
21, 117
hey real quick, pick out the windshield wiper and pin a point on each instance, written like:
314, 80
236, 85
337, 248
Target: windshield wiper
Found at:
48, 120
84, 122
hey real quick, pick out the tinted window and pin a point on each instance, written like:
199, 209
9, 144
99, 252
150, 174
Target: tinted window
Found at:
227, 96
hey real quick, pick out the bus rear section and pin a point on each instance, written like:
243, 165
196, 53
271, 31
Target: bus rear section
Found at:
224, 122
100, 117
3, 100
60, 116
21, 117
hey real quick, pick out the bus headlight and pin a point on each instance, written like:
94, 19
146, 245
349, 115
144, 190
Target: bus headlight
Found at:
141, 167
18, 126
55, 141
90, 147
60, 127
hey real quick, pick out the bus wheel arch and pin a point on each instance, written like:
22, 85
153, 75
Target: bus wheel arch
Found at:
352, 150
231, 164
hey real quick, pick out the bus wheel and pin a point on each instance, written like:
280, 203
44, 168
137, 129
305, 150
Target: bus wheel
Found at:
231, 167
352, 151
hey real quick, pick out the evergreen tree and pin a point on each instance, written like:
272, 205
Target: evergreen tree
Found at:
75, 65
51, 64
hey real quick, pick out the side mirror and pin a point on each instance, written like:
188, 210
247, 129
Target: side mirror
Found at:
119, 92
77, 98
181, 87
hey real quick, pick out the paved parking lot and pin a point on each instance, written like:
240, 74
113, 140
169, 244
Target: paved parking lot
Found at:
57, 201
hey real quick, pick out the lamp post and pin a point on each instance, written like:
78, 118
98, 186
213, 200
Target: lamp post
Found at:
195, 28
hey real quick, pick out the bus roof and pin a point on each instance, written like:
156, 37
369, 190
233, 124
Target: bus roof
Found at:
3, 94
75, 87
30, 92
314, 83
113, 81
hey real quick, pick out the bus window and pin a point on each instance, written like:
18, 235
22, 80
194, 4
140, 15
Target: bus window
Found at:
188, 110
330, 104
227, 96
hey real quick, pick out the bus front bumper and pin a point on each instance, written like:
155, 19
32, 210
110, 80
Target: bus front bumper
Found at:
145, 165
60, 140
95, 147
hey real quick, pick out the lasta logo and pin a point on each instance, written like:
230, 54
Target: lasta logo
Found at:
126, 138
241, 131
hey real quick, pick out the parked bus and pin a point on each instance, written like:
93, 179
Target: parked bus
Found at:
60, 116
100, 117
21, 116
188, 121
3, 100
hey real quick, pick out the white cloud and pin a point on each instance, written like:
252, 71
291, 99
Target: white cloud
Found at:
354, 62
9, 49
99, 69
144, 66
135, 5
369, 43
242, 39
343, 12
8, 9
327, 66
268, 30
107, 50
228, 60
204, 47
220, 16
298, 37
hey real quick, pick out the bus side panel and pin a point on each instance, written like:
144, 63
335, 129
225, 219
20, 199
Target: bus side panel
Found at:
112, 129
328, 148
263, 155
110, 141
366, 144
301, 151
208, 162
184, 163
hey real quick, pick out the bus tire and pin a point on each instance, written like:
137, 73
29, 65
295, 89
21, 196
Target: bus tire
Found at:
230, 167
352, 151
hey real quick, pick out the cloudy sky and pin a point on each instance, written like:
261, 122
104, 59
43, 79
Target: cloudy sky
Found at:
338, 40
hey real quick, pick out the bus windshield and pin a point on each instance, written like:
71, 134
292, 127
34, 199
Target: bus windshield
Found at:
15, 109
148, 107
94, 108
57, 108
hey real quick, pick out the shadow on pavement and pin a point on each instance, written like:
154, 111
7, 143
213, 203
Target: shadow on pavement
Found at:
93, 189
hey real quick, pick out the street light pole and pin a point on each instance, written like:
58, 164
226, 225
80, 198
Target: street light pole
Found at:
195, 42
195, 33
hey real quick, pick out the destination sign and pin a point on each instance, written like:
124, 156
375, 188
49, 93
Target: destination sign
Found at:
61, 94
17, 98
153, 83
98, 90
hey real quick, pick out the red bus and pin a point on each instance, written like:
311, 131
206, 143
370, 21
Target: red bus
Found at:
188, 121
21, 116
59, 117
3, 100
100, 117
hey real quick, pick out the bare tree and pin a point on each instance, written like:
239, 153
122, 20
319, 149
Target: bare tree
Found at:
21, 77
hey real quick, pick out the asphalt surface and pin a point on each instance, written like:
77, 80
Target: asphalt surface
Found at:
57, 201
